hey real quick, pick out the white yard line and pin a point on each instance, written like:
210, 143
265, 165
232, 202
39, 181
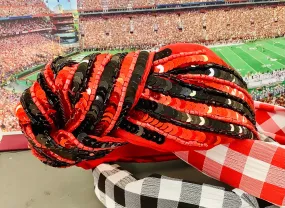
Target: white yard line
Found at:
262, 54
243, 60
256, 59
273, 51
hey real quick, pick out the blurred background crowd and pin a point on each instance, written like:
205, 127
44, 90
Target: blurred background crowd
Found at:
128, 4
211, 27
273, 95
8, 121
8, 28
25, 43
29, 50
22, 7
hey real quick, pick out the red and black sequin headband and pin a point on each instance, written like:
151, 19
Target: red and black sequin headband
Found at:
179, 98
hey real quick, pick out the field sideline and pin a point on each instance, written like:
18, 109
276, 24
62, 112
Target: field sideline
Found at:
259, 56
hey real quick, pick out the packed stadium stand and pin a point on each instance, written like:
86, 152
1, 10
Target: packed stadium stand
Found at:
8, 101
15, 27
20, 52
200, 26
90, 5
22, 7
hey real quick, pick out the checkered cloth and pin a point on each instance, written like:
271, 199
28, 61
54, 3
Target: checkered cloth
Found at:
270, 120
117, 188
256, 167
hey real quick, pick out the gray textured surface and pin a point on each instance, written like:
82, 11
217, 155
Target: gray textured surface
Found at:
27, 183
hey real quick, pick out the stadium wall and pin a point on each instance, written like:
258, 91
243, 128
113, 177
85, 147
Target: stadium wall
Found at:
28, 71
13, 141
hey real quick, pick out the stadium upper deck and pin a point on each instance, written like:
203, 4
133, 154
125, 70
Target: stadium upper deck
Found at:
209, 26
22, 7
105, 5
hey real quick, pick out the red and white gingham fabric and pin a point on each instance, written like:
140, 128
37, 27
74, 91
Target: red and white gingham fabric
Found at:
256, 167
270, 120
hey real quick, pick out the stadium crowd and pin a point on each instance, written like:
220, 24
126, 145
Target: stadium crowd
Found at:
8, 101
18, 26
22, 7
23, 51
278, 75
273, 95
206, 26
266, 92
127, 4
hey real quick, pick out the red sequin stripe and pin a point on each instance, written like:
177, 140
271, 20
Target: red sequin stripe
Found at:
29, 133
181, 62
174, 56
62, 82
143, 79
65, 136
185, 77
81, 107
199, 109
224, 88
107, 139
38, 104
181, 135
49, 76
124, 76
21, 115
56, 156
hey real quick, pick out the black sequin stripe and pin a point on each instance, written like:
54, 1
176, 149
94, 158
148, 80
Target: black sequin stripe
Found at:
50, 160
91, 142
81, 77
59, 63
167, 114
105, 87
53, 101
142, 132
213, 91
73, 153
166, 87
37, 118
53, 65
162, 54
133, 85
211, 70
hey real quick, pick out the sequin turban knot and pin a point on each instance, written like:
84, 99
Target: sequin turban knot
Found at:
179, 98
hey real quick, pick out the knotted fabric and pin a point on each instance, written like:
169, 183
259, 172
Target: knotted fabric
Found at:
182, 97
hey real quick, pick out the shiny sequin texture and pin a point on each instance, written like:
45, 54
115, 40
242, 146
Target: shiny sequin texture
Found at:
174, 98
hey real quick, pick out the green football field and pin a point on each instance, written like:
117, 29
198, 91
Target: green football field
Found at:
258, 56
249, 58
